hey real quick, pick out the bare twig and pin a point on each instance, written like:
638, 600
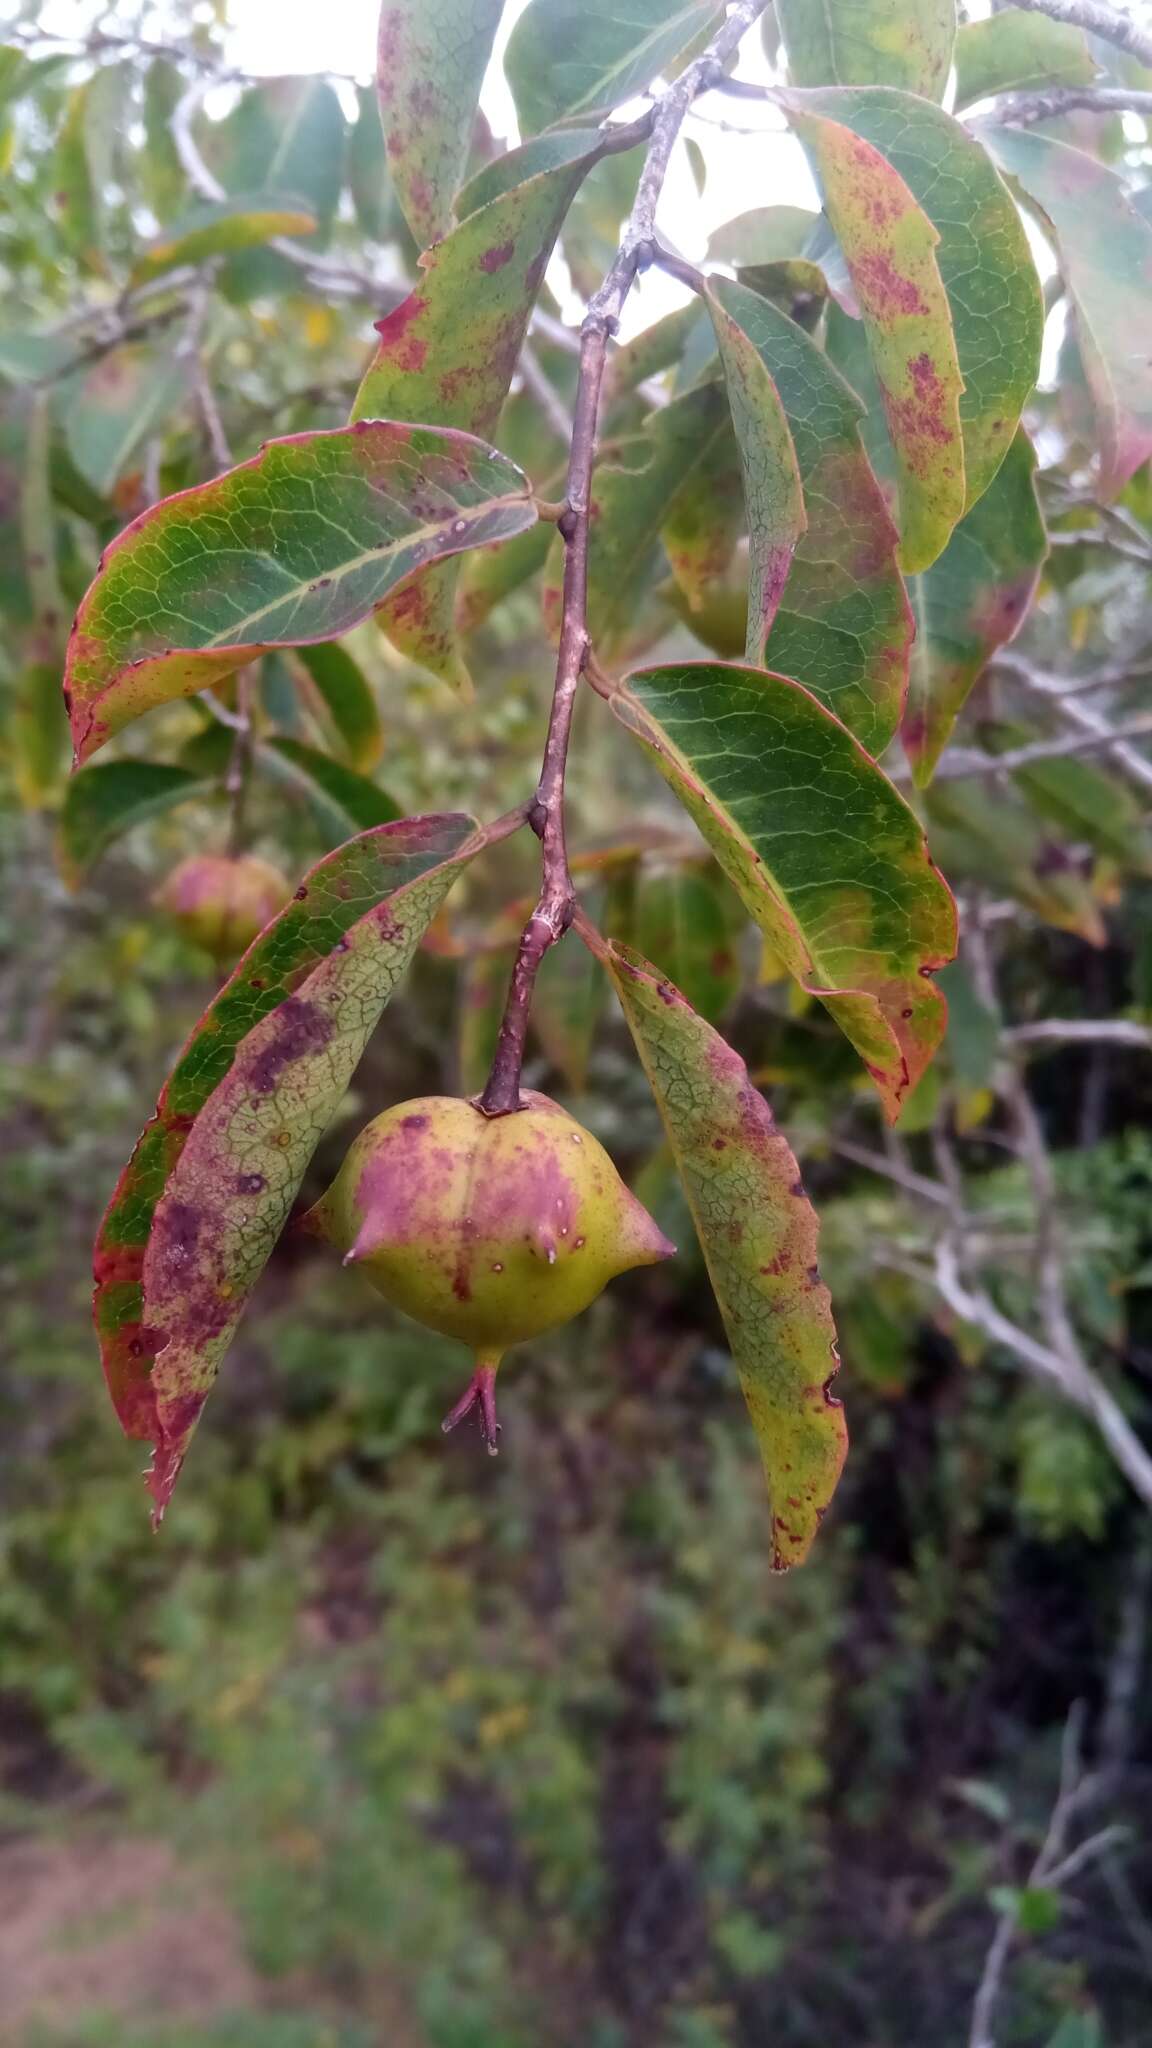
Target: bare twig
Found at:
1082, 716
545, 393
1081, 1031
554, 910
1089, 739
191, 349
1023, 109
238, 779
1053, 1867
1097, 19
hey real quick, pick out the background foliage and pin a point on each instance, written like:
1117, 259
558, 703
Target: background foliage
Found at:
479, 1757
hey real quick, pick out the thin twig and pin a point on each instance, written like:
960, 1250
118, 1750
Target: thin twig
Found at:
545, 393
191, 350
1091, 739
554, 910
1097, 19
1051, 1868
239, 776
1023, 109
1081, 1031
1082, 716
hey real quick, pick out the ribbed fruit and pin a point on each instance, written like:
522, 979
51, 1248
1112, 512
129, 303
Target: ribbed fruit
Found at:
490, 1229
222, 901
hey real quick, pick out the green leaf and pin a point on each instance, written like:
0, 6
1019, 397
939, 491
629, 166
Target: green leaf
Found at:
122, 399
483, 988
983, 258
348, 700
758, 1232
1105, 250
569, 1002
162, 179
220, 229
890, 245
843, 628
1000, 842
1018, 52
970, 602
105, 800
285, 136
773, 497
973, 1043
347, 801
905, 43
630, 506
217, 1168
765, 234
683, 924
369, 179
448, 355
1089, 805
431, 60
823, 852
577, 57
298, 544
1078, 2030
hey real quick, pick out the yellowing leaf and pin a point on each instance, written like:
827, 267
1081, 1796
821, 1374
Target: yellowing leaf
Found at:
890, 245
211, 1181
906, 43
758, 1232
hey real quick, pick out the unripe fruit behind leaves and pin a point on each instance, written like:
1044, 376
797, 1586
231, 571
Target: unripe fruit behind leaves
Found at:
222, 901
490, 1229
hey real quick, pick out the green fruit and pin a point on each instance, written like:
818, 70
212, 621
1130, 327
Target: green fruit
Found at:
490, 1229
222, 901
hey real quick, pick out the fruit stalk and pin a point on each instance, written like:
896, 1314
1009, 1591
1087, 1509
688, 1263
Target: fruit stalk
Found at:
553, 913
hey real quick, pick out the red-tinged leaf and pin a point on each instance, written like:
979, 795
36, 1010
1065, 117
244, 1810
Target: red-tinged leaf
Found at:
824, 853
982, 255
296, 545
266, 1067
431, 60
773, 496
1105, 251
970, 602
843, 627
448, 354
758, 1232
906, 43
890, 245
